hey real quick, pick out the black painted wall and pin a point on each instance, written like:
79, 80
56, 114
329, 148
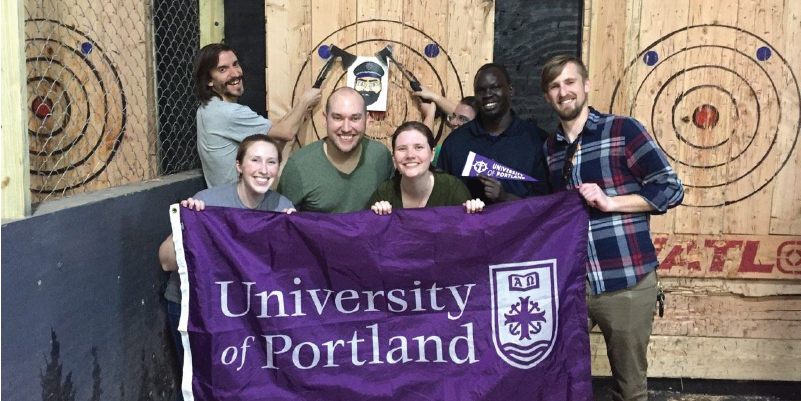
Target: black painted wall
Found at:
245, 33
82, 311
527, 34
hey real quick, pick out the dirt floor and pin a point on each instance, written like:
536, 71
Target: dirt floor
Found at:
673, 396
700, 390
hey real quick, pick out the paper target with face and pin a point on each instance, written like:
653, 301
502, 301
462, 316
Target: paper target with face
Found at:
368, 77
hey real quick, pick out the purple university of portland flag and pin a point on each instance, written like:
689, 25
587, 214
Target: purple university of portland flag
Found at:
476, 165
422, 304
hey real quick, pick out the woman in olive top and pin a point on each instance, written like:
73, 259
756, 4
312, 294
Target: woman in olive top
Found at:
415, 183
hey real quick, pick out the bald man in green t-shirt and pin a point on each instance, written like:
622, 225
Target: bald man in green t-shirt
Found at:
337, 174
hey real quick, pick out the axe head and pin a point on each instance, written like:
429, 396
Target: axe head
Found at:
384, 55
347, 58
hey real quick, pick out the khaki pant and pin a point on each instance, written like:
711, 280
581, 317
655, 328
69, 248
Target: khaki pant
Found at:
625, 318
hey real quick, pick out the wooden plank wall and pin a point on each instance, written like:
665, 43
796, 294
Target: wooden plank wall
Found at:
731, 255
212, 21
16, 199
462, 30
94, 61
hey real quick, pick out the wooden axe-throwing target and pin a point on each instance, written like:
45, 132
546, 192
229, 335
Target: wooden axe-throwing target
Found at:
722, 114
76, 107
397, 112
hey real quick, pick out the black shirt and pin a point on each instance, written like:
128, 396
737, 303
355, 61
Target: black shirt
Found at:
518, 147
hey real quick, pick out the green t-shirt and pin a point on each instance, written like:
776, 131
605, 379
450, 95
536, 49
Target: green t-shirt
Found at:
448, 191
313, 184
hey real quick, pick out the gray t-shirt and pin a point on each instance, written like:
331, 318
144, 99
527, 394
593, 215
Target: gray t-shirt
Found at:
221, 126
226, 196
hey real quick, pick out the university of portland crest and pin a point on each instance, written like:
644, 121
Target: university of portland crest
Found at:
525, 305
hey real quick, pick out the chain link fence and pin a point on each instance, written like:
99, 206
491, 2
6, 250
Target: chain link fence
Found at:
177, 39
109, 92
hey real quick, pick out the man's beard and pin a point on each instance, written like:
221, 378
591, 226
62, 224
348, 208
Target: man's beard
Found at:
370, 97
572, 114
223, 90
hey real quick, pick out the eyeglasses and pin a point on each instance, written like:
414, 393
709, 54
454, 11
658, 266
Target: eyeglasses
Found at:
461, 118
570, 153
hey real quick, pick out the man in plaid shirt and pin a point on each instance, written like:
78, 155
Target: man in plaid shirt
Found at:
624, 177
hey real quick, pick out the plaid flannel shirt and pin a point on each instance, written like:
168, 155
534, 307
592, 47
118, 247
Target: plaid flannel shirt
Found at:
617, 153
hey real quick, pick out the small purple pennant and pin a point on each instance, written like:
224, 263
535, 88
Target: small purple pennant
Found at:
479, 165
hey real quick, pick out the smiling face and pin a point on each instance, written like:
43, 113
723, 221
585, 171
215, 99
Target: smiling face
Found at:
493, 93
345, 119
461, 116
567, 93
226, 77
258, 167
412, 153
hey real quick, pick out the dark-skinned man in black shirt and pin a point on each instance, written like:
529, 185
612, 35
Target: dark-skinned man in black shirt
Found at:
497, 133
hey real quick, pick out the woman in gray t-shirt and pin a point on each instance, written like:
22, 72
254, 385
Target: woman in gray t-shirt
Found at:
257, 161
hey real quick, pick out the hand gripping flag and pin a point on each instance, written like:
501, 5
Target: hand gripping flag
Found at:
423, 304
479, 165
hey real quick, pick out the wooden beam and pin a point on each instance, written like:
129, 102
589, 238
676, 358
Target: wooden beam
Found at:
288, 40
586, 22
212, 21
698, 311
16, 196
712, 358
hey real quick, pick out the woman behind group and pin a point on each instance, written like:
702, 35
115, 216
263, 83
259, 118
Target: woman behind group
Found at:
416, 184
257, 160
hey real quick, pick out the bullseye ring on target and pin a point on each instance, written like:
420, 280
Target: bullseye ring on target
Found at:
403, 52
722, 103
76, 106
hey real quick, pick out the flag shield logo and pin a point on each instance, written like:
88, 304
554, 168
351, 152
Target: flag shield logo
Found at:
525, 304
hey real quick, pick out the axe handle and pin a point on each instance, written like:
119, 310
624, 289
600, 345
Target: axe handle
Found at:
417, 88
415, 84
320, 78
412, 79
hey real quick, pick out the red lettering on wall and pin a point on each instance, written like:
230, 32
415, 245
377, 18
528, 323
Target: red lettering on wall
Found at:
659, 243
672, 258
749, 263
678, 257
788, 257
720, 249
694, 265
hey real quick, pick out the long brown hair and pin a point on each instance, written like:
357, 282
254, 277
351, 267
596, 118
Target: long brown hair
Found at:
205, 61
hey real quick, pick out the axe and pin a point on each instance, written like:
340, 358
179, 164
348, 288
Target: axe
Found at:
386, 54
347, 60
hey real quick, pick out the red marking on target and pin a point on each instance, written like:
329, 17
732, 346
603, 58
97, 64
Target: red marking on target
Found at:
42, 107
761, 135
75, 94
705, 116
